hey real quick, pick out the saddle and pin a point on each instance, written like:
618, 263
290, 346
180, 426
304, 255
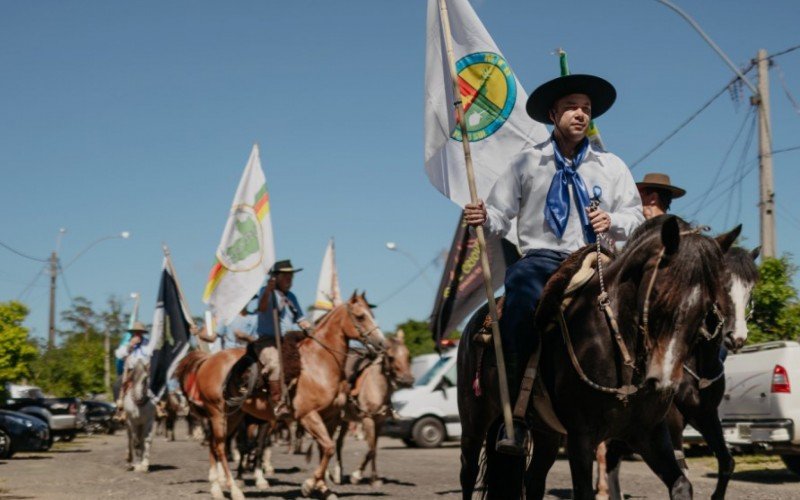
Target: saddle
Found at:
573, 274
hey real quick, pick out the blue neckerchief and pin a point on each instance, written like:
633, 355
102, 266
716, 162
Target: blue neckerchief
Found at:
556, 210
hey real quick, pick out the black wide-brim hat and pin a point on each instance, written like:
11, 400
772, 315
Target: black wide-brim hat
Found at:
284, 266
600, 92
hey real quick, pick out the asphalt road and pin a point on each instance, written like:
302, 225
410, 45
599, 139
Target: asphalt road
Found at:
94, 467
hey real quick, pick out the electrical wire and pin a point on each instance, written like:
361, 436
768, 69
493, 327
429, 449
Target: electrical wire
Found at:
12, 249
689, 120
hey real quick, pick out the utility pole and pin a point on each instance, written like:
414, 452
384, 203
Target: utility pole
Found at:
766, 201
51, 339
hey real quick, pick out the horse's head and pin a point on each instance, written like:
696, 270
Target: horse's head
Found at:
140, 380
681, 285
362, 325
743, 277
398, 360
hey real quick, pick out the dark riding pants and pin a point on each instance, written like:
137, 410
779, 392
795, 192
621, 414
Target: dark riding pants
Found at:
524, 283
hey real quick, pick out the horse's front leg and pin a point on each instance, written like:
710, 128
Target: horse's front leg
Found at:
314, 425
580, 449
656, 450
148, 432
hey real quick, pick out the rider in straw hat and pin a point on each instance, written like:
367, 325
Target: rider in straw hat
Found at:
136, 348
657, 193
549, 188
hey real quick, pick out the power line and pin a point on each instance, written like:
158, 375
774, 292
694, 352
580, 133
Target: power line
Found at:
689, 120
22, 254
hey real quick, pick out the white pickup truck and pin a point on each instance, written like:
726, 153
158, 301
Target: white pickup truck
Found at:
761, 406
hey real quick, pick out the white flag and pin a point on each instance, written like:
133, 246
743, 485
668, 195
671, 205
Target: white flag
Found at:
494, 102
328, 294
246, 250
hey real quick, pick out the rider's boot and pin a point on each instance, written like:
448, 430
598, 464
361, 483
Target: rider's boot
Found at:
504, 443
279, 406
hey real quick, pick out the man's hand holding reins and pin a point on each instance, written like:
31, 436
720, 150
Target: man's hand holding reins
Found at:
600, 220
475, 213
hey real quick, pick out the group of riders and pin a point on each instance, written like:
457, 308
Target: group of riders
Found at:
275, 307
565, 193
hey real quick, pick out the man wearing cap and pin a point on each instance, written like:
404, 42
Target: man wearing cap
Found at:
137, 348
274, 297
657, 193
549, 189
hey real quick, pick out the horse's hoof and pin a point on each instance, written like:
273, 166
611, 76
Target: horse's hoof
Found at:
355, 477
307, 488
216, 491
377, 483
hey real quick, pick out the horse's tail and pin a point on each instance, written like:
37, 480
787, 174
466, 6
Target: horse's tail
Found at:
502, 475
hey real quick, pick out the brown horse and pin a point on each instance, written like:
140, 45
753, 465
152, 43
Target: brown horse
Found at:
322, 357
369, 402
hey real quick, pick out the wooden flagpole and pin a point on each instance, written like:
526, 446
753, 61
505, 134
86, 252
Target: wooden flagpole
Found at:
505, 398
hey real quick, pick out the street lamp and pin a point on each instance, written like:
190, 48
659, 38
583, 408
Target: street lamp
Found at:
54, 268
392, 246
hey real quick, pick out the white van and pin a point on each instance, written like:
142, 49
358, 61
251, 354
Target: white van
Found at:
761, 406
427, 414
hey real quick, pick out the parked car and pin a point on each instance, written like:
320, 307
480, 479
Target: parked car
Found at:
21, 432
62, 415
761, 410
100, 417
427, 414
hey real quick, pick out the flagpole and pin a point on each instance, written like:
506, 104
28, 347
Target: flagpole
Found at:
505, 398
184, 305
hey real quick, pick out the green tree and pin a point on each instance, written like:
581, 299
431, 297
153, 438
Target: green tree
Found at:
418, 336
776, 310
17, 352
77, 366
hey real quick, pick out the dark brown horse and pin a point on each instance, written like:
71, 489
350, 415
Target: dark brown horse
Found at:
369, 402
703, 385
661, 288
322, 357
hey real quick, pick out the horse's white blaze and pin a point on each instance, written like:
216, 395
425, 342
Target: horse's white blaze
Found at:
740, 294
668, 366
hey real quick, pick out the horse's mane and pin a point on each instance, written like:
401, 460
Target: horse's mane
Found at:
697, 261
741, 264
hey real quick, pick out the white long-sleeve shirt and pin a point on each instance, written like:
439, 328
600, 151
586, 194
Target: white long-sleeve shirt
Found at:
521, 192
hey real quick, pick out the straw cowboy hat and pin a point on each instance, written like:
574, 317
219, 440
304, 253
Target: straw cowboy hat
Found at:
138, 327
660, 181
600, 92
284, 266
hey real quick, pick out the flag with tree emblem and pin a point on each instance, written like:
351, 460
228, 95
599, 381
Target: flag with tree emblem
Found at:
246, 250
169, 335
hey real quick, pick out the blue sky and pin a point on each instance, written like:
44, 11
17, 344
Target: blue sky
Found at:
140, 116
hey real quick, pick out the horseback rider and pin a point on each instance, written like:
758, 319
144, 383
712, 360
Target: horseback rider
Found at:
137, 348
536, 189
657, 193
275, 298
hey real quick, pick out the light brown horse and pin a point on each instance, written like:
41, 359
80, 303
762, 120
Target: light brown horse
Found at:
322, 358
369, 402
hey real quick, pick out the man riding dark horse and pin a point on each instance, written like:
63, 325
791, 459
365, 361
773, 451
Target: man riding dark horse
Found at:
278, 312
537, 189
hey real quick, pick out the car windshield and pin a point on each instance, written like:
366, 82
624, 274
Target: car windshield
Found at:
432, 372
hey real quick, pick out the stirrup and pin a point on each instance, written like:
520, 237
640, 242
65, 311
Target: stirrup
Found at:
516, 447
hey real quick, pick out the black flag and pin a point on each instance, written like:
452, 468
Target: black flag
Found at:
461, 289
170, 332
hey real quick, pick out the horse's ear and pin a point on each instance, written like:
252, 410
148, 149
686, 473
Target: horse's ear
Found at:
670, 235
726, 240
754, 253
400, 335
